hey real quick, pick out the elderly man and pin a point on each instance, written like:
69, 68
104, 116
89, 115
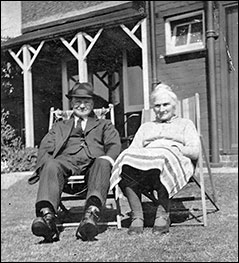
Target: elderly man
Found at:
82, 144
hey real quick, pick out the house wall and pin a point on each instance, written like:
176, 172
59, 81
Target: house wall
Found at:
186, 73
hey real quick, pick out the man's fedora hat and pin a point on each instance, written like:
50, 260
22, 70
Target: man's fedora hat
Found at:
81, 90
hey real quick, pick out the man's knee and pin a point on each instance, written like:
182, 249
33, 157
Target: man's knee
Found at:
102, 162
51, 163
52, 166
51, 170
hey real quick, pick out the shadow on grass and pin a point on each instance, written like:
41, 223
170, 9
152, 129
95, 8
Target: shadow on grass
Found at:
149, 210
45, 241
179, 213
75, 214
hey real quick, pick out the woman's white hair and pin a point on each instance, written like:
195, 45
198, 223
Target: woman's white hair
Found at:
163, 88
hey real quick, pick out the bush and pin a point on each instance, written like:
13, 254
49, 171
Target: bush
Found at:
14, 156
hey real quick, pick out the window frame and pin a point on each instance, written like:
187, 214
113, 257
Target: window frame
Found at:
170, 33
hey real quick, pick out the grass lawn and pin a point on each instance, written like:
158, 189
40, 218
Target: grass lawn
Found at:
218, 242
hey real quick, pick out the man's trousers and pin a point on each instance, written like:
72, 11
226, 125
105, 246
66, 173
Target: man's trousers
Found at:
53, 177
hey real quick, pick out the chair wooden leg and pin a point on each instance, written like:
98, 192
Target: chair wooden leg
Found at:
206, 194
214, 197
118, 216
202, 187
204, 208
117, 202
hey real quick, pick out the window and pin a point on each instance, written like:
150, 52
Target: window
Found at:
185, 33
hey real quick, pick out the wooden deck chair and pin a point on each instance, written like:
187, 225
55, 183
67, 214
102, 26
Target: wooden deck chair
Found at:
190, 108
77, 180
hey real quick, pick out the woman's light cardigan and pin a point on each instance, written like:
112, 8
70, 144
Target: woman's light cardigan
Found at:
169, 146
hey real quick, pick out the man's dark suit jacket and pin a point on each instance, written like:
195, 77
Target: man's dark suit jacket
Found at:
101, 138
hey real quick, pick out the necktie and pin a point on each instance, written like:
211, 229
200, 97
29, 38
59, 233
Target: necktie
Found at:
78, 123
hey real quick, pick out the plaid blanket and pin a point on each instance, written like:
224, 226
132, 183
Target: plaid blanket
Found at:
175, 168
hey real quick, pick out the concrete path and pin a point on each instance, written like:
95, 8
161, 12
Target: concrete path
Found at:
9, 179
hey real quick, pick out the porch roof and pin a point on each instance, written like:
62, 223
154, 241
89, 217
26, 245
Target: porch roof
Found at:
91, 21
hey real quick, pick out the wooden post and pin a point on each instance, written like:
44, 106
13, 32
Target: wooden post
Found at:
65, 101
26, 66
145, 63
82, 52
28, 98
82, 64
125, 86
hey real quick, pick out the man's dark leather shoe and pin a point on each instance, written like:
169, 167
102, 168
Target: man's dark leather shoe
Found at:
45, 225
88, 228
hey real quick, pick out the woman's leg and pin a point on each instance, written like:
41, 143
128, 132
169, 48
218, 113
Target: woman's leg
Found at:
130, 187
137, 211
162, 220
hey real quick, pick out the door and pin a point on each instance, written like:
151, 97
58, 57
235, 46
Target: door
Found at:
230, 79
132, 80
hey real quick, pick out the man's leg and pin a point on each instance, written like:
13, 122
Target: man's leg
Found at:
98, 181
51, 183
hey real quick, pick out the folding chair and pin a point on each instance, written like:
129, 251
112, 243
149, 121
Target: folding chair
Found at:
190, 108
76, 181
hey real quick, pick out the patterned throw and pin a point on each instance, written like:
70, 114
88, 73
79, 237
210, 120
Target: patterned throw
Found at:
175, 168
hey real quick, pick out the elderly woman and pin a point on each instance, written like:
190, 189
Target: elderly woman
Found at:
161, 157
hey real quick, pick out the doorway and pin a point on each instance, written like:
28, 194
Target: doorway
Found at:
229, 60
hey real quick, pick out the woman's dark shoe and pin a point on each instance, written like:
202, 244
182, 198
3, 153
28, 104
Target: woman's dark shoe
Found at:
136, 227
45, 225
161, 225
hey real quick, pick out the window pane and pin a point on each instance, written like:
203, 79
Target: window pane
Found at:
196, 33
181, 35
